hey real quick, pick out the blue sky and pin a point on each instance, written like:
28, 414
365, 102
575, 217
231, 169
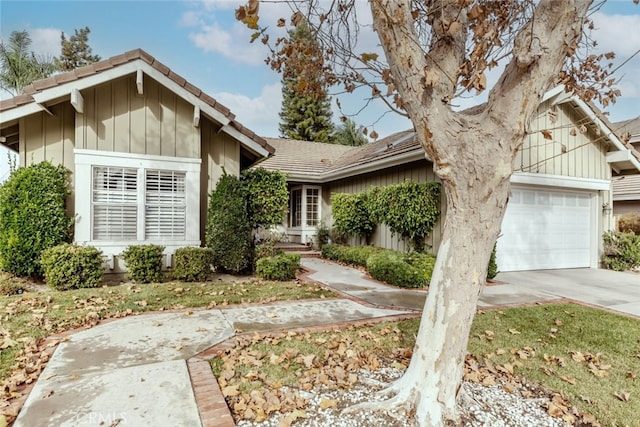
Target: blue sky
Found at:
201, 41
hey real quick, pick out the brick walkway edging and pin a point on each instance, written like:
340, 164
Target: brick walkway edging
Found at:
212, 406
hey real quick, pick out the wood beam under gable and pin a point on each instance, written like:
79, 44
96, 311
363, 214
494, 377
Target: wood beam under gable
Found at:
77, 101
196, 116
45, 109
140, 81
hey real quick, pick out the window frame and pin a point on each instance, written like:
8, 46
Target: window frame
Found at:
86, 160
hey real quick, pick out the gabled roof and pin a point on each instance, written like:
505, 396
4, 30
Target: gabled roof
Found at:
320, 162
622, 157
302, 159
59, 87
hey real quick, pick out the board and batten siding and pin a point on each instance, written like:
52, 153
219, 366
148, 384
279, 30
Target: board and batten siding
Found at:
581, 155
420, 171
50, 137
219, 152
116, 118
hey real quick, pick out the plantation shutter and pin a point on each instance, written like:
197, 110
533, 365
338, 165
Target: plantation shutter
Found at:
114, 199
165, 205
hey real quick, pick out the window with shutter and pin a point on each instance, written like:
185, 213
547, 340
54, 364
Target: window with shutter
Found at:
165, 205
115, 203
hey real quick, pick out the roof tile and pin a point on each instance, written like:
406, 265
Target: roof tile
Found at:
176, 78
115, 61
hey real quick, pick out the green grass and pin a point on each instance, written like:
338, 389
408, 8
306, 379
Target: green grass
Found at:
39, 314
557, 331
562, 332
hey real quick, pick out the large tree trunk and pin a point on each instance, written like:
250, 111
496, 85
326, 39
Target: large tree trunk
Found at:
472, 155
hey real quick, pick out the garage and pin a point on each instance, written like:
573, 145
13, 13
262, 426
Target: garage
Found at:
546, 229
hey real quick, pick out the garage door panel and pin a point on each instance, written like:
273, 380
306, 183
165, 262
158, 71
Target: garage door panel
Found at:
545, 229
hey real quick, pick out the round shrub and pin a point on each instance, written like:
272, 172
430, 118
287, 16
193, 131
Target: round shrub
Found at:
144, 263
280, 267
192, 264
71, 267
32, 217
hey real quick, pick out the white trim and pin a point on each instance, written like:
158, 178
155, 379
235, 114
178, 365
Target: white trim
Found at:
19, 112
544, 180
626, 197
129, 159
401, 159
244, 139
140, 81
86, 159
196, 116
77, 101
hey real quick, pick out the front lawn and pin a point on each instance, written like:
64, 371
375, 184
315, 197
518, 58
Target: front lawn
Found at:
591, 357
27, 318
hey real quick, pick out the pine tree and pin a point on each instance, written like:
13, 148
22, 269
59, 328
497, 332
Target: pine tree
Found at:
305, 114
76, 51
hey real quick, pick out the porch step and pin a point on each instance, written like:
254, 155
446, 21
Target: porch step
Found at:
293, 247
306, 254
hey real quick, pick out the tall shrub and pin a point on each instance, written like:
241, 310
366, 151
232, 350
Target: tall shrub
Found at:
351, 214
32, 216
228, 226
409, 209
267, 196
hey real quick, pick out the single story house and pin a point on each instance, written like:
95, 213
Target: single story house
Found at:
626, 184
561, 196
145, 148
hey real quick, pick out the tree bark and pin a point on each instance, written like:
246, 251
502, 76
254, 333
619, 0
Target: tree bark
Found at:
472, 156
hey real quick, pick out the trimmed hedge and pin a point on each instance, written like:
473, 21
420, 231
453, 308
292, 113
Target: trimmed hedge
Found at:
280, 267
621, 251
354, 255
144, 263
404, 270
72, 267
228, 231
32, 217
351, 214
192, 264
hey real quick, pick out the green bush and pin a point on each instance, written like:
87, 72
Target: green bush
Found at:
409, 209
267, 249
228, 231
629, 223
192, 264
351, 215
404, 270
32, 217
144, 263
72, 267
354, 255
280, 267
267, 196
621, 251
492, 269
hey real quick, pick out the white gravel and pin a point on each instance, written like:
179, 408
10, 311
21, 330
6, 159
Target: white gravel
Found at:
486, 407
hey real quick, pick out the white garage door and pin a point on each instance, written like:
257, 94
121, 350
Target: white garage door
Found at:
545, 229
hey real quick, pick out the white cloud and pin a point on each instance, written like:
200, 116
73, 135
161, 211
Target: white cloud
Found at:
617, 33
260, 114
46, 41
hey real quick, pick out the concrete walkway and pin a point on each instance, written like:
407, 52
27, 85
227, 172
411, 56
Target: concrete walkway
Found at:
133, 371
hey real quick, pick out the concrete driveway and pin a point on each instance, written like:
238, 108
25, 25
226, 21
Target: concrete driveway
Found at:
614, 290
